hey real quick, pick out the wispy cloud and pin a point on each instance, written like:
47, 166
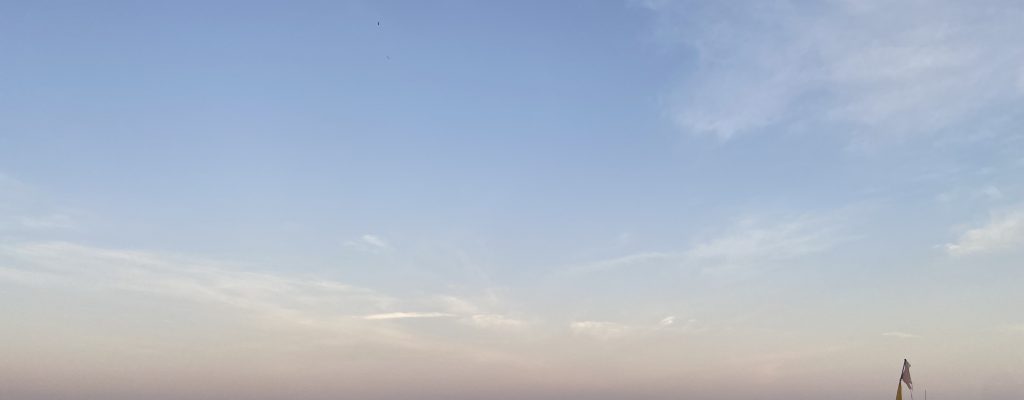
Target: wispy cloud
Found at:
1003, 231
479, 312
334, 311
66, 264
48, 221
747, 242
458, 305
296, 302
406, 315
988, 193
24, 209
369, 243
901, 335
627, 261
607, 330
375, 241
495, 321
753, 241
879, 68
600, 329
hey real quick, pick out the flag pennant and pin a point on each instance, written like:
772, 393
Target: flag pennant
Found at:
905, 377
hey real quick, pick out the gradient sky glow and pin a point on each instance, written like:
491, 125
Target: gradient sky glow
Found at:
521, 200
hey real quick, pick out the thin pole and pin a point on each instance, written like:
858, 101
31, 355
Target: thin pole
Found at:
899, 382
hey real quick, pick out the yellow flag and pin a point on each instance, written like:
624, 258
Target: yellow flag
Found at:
899, 391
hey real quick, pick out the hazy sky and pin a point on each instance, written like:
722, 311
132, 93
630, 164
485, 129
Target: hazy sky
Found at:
520, 200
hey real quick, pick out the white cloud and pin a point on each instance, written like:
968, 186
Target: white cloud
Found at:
606, 330
406, 315
297, 302
989, 193
375, 241
752, 241
49, 221
74, 266
24, 210
882, 68
600, 329
901, 335
747, 242
626, 261
369, 243
1002, 232
495, 321
331, 311
457, 305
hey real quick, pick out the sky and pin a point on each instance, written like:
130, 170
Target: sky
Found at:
520, 200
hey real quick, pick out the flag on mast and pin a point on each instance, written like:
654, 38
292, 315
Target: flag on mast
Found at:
905, 377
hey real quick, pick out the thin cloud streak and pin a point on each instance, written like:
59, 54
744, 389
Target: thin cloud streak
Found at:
294, 302
749, 242
1004, 231
901, 335
407, 315
607, 330
864, 68
369, 243
73, 266
495, 321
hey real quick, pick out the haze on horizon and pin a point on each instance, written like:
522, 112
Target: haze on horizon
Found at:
519, 200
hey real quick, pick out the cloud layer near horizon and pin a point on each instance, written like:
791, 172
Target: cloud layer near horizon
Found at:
658, 200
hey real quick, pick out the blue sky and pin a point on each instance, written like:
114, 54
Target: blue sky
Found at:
524, 200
